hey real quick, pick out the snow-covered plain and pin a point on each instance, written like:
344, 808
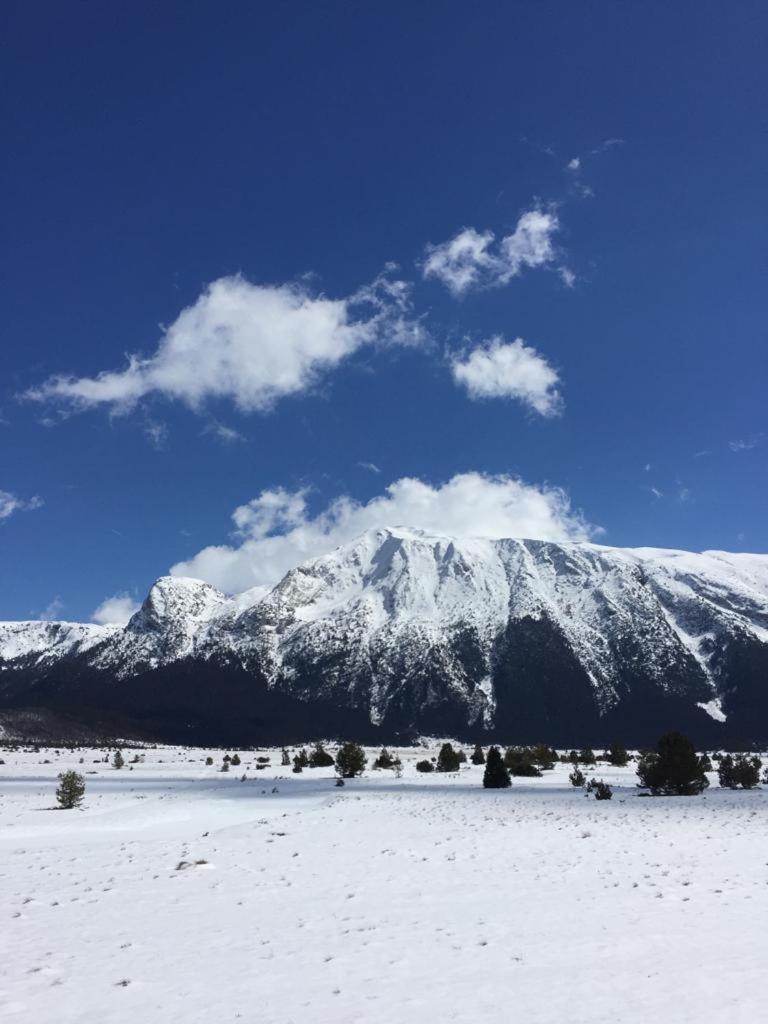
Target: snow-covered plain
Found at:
180, 894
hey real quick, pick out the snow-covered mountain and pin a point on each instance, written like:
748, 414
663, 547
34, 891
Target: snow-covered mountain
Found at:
400, 632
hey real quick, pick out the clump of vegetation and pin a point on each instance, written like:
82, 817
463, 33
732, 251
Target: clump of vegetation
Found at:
478, 757
587, 756
617, 755
601, 789
320, 758
350, 760
235, 760
704, 761
209, 760
303, 757
298, 768
520, 761
448, 759
285, 758
70, 791
577, 777
118, 760
739, 771
544, 756
496, 775
424, 766
673, 769
386, 760
224, 766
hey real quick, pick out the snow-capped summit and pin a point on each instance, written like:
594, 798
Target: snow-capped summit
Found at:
404, 631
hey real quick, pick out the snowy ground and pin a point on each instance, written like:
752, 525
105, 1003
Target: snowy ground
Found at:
424, 898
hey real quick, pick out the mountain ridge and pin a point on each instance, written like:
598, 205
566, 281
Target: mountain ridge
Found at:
401, 631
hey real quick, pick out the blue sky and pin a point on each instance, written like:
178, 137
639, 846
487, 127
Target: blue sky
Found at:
264, 166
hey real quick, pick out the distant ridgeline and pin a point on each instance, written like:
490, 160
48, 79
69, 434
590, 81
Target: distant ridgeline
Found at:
400, 634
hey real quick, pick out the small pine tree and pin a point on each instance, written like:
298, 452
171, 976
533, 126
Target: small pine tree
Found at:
519, 761
118, 760
478, 757
573, 756
320, 758
224, 766
601, 789
673, 769
350, 760
739, 771
297, 765
577, 777
285, 758
235, 760
447, 759
496, 775
384, 760
544, 756
705, 763
303, 758
209, 760
617, 755
71, 790
424, 766
587, 756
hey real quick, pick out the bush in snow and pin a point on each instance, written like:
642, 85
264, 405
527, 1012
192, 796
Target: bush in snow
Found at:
601, 789
577, 777
320, 758
478, 757
704, 761
235, 760
350, 760
224, 766
673, 769
447, 759
519, 761
617, 755
544, 756
71, 790
303, 758
209, 760
285, 758
385, 760
118, 760
739, 771
297, 765
496, 775
587, 756
424, 766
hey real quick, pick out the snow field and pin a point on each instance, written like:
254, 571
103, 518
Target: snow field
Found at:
181, 894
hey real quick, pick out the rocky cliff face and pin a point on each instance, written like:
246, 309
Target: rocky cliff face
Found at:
400, 633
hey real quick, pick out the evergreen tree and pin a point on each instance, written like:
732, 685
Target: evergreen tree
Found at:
350, 760
71, 790
617, 755
478, 757
601, 789
285, 758
424, 766
303, 758
496, 775
587, 756
577, 777
519, 761
209, 760
739, 771
705, 763
235, 760
673, 769
320, 758
297, 765
447, 759
573, 757
118, 760
544, 756
385, 760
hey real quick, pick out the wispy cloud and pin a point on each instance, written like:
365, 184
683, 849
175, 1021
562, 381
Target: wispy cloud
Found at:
745, 444
370, 466
115, 610
223, 433
11, 503
53, 611
475, 259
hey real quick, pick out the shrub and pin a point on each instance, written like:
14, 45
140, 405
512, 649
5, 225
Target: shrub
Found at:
673, 769
705, 763
587, 756
617, 755
739, 771
285, 758
601, 789
235, 760
519, 761
320, 758
303, 758
224, 766
118, 760
577, 777
478, 757
350, 760
447, 759
424, 766
209, 760
496, 775
71, 790
544, 756
385, 760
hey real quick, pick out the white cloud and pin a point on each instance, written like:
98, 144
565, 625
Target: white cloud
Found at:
115, 610
10, 503
473, 259
252, 344
275, 531
53, 611
370, 466
223, 433
510, 370
745, 444
574, 164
